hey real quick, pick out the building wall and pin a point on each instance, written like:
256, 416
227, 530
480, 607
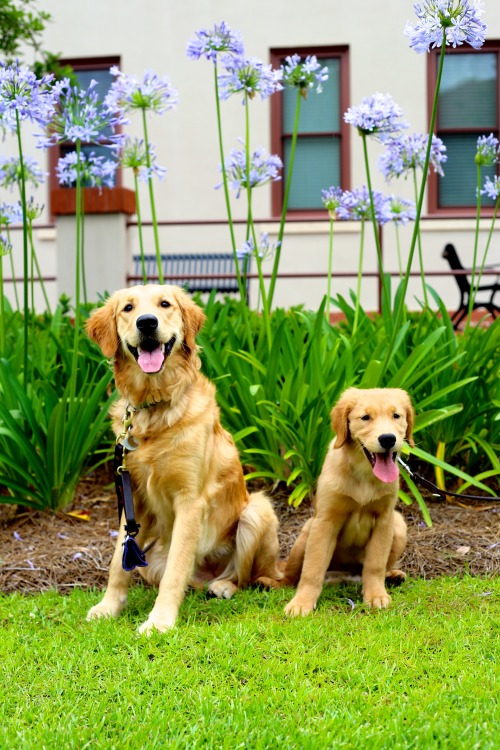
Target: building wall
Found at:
154, 34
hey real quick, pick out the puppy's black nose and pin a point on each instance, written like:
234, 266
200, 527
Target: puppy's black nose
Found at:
387, 440
147, 324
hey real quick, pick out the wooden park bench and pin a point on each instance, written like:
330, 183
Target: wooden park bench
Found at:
195, 272
482, 300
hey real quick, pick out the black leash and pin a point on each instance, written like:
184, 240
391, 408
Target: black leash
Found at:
443, 494
133, 556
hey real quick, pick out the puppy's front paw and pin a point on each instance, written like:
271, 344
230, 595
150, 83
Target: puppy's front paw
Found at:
223, 589
377, 600
107, 608
153, 623
298, 606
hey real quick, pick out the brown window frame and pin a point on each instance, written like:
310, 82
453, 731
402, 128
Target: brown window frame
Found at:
433, 207
277, 56
80, 64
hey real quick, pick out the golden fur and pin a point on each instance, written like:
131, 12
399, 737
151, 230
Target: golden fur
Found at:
189, 492
354, 523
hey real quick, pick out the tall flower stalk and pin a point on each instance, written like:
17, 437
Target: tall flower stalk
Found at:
487, 155
304, 75
151, 94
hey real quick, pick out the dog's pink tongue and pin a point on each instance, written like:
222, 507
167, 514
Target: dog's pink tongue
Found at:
385, 468
150, 361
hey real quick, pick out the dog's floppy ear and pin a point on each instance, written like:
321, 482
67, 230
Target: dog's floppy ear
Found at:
340, 416
410, 421
101, 328
193, 318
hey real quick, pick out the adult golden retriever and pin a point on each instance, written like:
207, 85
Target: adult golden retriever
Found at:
354, 523
189, 492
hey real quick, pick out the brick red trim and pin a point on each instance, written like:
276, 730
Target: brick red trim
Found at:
96, 201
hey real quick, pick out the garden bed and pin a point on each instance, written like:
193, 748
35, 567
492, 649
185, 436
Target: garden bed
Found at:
39, 551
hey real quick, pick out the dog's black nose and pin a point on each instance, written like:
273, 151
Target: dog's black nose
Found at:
147, 324
387, 440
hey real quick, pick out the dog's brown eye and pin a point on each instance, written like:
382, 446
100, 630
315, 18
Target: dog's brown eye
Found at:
365, 417
396, 416
165, 303
128, 308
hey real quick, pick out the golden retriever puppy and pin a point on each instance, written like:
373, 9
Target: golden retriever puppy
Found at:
354, 525
188, 487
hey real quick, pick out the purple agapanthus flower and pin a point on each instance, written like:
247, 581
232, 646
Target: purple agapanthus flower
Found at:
492, 188
81, 117
356, 205
95, 171
265, 248
378, 115
153, 94
211, 42
248, 76
399, 210
304, 74
332, 200
455, 21
10, 171
5, 245
10, 213
488, 150
133, 155
23, 96
264, 168
33, 210
407, 153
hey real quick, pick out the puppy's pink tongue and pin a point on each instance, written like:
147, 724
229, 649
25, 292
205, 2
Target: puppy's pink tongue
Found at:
385, 468
151, 361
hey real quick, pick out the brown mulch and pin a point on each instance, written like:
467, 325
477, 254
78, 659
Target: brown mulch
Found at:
40, 551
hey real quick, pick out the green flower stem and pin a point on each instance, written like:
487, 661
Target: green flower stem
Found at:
360, 277
35, 264
82, 246
329, 278
284, 208
251, 226
25, 254
473, 289
419, 239
399, 309
139, 227
13, 271
74, 368
488, 242
2, 310
398, 248
152, 200
241, 281
385, 290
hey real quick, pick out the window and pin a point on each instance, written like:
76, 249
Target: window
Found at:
86, 70
322, 152
468, 108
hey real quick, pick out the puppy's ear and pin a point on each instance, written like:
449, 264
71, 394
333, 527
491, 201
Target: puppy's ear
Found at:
101, 328
193, 318
340, 417
410, 421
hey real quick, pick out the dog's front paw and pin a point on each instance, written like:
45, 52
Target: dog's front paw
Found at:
107, 608
377, 600
154, 623
298, 606
223, 589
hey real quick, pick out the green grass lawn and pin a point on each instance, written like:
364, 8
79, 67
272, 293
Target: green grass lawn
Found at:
236, 674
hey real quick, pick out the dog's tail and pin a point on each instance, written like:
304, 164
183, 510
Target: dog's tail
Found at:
257, 546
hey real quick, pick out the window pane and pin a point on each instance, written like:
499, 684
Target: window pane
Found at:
316, 167
458, 186
319, 112
102, 76
468, 95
